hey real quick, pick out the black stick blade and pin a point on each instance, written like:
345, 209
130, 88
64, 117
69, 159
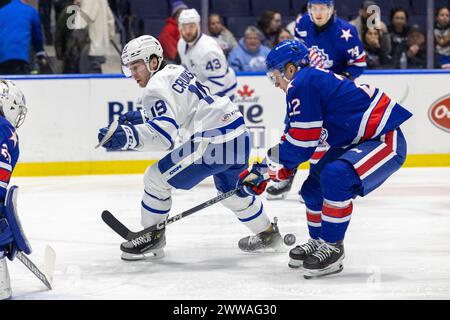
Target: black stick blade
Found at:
115, 224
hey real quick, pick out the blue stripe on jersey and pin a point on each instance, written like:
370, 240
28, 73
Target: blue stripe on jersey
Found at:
223, 130
254, 216
224, 92
171, 120
146, 207
162, 132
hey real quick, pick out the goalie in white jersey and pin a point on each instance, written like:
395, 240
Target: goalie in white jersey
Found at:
203, 57
175, 103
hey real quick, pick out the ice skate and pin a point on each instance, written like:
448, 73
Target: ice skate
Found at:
148, 246
265, 241
298, 254
326, 260
279, 190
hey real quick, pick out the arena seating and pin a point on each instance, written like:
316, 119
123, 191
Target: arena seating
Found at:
238, 14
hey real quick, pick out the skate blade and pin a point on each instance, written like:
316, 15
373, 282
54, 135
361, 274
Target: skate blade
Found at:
279, 248
295, 264
312, 274
271, 197
154, 255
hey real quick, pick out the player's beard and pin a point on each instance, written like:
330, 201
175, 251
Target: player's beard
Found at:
191, 39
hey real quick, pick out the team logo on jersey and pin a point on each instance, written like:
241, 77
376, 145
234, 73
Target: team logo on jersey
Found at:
319, 58
439, 113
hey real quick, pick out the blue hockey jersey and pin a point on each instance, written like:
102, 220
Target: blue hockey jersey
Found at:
324, 106
336, 48
9, 142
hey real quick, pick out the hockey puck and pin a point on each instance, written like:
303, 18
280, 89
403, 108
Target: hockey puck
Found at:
289, 239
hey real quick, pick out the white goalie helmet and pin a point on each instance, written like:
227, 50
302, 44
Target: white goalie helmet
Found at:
189, 16
12, 103
142, 48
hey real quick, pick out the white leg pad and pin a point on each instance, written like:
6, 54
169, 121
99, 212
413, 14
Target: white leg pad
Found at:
5, 283
249, 211
156, 201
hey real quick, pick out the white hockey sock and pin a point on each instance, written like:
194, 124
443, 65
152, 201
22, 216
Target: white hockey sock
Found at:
249, 211
154, 209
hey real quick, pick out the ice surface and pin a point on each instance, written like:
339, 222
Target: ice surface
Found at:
397, 245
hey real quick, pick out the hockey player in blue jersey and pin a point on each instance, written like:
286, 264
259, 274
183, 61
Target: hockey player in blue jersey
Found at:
361, 125
175, 103
12, 237
333, 45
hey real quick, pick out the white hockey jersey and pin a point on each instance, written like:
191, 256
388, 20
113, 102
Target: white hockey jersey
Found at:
206, 60
179, 105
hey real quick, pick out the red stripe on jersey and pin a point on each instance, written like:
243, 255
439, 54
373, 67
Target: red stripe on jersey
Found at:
305, 134
337, 212
379, 156
283, 137
362, 59
5, 175
318, 155
316, 218
376, 116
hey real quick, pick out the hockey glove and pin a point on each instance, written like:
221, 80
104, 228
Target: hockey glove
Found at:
278, 172
124, 138
133, 117
252, 181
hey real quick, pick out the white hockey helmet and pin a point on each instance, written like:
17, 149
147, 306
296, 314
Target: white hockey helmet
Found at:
142, 48
189, 16
12, 103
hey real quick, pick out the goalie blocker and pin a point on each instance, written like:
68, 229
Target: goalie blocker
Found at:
12, 239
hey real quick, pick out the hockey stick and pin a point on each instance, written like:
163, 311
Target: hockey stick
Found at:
49, 266
112, 128
129, 235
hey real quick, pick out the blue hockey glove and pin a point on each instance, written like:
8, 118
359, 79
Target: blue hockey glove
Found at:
133, 117
252, 181
124, 138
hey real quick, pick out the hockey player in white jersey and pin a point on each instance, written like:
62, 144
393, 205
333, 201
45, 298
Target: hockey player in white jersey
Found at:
203, 57
174, 101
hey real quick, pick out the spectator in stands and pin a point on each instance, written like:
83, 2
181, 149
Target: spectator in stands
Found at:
377, 55
16, 36
360, 22
99, 19
269, 25
69, 42
45, 10
170, 33
284, 34
399, 31
250, 54
222, 35
442, 37
417, 53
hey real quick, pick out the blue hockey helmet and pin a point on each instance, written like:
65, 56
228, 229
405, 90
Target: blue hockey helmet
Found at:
288, 51
329, 3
